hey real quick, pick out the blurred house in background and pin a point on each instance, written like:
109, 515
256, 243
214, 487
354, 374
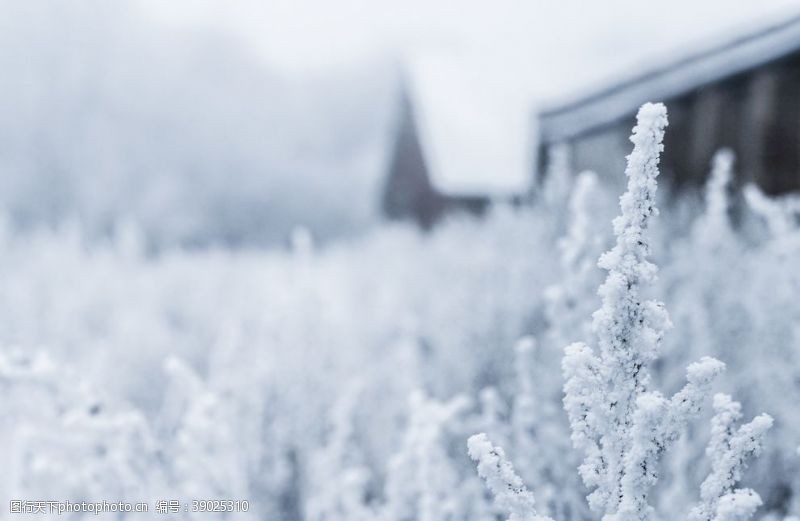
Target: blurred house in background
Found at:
456, 147
464, 141
741, 92
409, 191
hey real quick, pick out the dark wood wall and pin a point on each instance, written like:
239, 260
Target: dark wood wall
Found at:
756, 113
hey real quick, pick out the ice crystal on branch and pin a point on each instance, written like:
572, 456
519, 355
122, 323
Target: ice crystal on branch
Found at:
657, 424
739, 505
509, 492
729, 448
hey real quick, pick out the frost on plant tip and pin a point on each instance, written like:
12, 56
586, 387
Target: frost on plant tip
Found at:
729, 449
509, 492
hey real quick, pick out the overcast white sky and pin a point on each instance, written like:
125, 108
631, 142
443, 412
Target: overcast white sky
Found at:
525, 51
566, 37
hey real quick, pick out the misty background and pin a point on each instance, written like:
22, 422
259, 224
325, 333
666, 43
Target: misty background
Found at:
233, 122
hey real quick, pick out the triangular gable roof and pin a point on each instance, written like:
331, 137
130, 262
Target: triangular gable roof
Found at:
721, 59
474, 130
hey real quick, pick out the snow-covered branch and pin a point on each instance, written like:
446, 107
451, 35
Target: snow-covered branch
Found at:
622, 427
729, 448
509, 492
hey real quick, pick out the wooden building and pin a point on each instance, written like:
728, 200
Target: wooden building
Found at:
741, 92
409, 192
455, 149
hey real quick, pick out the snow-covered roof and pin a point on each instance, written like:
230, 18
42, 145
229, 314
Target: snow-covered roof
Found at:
474, 129
719, 59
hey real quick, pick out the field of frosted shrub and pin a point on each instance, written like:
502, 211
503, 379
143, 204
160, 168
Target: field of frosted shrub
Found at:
342, 381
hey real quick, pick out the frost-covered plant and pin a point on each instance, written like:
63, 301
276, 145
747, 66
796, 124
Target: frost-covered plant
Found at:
739, 505
555, 189
507, 487
206, 458
568, 307
493, 417
769, 297
705, 308
63, 438
300, 319
525, 411
728, 449
621, 426
509, 491
540, 438
338, 476
580, 241
421, 479
570, 302
779, 214
714, 226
